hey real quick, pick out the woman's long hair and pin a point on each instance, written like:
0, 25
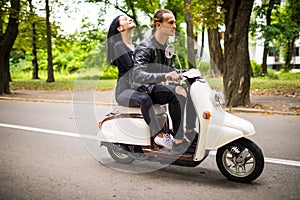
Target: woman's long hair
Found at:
113, 36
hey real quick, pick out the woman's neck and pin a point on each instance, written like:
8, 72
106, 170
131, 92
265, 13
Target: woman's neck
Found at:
126, 37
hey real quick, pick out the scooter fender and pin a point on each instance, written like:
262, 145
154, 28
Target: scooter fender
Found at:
227, 131
225, 128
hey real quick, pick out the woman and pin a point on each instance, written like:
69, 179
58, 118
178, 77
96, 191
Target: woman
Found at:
120, 53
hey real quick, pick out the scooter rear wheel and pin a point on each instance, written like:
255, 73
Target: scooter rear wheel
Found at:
238, 167
119, 156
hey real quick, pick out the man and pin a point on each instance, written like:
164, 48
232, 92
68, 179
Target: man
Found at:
152, 68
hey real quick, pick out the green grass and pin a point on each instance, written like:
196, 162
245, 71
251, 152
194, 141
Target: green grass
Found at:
274, 84
284, 81
91, 81
62, 85
83, 80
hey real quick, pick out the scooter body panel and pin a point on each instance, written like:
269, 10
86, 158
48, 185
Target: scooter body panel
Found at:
222, 128
125, 130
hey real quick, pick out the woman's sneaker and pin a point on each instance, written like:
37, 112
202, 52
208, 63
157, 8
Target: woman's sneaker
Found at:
166, 141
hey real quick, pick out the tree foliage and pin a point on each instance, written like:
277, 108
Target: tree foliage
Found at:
85, 48
280, 29
206, 12
262, 27
288, 23
210, 15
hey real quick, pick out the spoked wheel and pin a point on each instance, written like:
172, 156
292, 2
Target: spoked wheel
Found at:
241, 160
119, 156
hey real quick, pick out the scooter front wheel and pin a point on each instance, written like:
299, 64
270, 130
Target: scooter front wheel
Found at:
241, 160
119, 156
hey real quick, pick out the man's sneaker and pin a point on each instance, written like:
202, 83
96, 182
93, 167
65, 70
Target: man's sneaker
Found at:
193, 137
166, 141
181, 148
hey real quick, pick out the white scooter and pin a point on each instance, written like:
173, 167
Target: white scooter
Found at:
127, 136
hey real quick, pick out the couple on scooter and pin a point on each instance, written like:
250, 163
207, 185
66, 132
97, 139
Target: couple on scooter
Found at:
142, 70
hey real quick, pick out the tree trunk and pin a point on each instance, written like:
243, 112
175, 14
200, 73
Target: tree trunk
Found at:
289, 54
35, 65
237, 68
264, 66
49, 45
35, 71
202, 42
6, 42
215, 51
190, 37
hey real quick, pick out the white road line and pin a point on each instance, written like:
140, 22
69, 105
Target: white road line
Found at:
54, 132
273, 160
71, 134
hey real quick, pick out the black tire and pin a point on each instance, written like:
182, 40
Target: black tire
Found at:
245, 171
119, 156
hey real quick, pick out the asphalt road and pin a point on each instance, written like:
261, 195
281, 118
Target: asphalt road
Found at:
44, 157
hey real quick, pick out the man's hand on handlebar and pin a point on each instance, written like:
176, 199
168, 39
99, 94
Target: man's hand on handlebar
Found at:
172, 76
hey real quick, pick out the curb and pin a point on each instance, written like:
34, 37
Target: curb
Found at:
261, 111
56, 101
232, 110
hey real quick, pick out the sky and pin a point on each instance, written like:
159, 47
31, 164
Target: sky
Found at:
71, 20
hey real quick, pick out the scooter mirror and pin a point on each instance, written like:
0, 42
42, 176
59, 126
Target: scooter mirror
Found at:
170, 51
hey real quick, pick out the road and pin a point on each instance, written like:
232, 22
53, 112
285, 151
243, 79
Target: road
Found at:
44, 157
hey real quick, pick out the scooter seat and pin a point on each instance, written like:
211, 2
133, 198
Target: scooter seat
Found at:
158, 109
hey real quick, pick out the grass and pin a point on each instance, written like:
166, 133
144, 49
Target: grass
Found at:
274, 84
284, 82
82, 80
62, 85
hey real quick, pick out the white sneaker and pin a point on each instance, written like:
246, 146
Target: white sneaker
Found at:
166, 141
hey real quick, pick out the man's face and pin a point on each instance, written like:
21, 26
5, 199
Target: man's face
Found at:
168, 26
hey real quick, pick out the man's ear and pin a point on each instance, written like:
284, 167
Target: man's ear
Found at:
157, 24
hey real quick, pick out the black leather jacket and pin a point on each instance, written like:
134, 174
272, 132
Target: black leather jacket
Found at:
150, 64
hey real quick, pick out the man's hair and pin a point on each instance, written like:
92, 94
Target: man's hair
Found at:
158, 17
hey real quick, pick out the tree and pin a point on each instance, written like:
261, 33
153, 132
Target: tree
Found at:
280, 30
289, 23
237, 68
190, 35
264, 27
35, 65
7, 40
210, 15
266, 43
49, 45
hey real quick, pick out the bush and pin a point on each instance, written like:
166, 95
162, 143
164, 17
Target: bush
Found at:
289, 75
205, 68
110, 73
272, 74
256, 68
